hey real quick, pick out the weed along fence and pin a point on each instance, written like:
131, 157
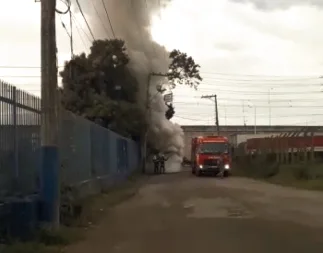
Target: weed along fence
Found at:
92, 158
303, 149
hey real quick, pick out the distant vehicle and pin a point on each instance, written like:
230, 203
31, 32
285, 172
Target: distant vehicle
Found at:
211, 154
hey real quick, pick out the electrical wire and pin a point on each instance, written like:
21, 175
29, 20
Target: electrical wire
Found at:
217, 83
257, 106
71, 33
263, 80
78, 27
65, 28
271, 76
276, 93
263, 115
101, 20
68, 4
106, 12
87, 24
23, 67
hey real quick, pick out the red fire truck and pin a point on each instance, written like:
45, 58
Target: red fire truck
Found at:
211, 154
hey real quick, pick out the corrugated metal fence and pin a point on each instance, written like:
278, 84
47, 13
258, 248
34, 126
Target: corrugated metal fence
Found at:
90, 155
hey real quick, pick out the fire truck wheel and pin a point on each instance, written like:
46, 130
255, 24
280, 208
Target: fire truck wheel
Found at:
198, 173
226, 174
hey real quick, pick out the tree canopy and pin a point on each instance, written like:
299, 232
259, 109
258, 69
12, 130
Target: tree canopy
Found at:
183, 70
170, 111
100, 88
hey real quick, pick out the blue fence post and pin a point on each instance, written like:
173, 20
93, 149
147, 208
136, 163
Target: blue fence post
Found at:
16, 148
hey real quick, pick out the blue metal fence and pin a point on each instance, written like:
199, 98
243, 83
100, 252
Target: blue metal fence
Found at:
91, 157
91, 154
19, 141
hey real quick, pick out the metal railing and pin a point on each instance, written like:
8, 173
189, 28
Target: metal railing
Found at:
88, 152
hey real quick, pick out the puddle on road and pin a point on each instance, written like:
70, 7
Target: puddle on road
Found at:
216, 208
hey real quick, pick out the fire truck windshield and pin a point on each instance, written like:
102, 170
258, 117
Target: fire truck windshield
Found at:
213, 148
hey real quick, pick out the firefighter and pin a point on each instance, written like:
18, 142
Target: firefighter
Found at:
162, 160
156, 163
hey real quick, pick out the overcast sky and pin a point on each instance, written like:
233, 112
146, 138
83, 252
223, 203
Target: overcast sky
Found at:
260, 57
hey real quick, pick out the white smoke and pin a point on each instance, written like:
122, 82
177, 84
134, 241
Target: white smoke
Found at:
164, 135
131, 21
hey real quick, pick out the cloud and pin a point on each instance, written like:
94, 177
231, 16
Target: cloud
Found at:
279, 4
248, 37
236, 37
226, 31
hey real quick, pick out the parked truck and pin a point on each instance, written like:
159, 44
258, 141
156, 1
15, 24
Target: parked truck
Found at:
211, 154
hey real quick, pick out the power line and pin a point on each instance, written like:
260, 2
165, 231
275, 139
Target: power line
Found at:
106, 12
241, 116
23, 67
262, 80
258, 106
76, 23
22, 76
71, 32
102, 23
217, 83
68, 5
65, 28
276, 93
272, 76
262, 115
87, 24
287, 100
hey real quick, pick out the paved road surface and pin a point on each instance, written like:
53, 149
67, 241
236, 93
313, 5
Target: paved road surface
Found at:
182, 213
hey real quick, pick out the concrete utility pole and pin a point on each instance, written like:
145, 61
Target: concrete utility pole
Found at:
49, 117
215, 111
148, 100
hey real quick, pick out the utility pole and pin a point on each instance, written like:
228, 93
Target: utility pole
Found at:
215, 111
144, 143
49, 190
148, 110
243, 114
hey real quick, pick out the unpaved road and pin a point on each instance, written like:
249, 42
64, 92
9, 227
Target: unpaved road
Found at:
181, 213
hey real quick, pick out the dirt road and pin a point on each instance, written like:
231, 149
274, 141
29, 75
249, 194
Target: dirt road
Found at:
182, 213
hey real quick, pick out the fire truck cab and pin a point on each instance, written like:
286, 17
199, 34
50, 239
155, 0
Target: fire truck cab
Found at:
211, 154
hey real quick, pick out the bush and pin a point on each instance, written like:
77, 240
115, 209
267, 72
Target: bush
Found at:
259, 166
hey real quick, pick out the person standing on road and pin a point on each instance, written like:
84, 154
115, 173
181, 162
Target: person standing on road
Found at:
156, 163
162, 160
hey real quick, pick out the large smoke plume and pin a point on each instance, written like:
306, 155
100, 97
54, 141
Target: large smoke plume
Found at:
131, 22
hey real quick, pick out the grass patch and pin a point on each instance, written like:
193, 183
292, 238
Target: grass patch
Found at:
301, 175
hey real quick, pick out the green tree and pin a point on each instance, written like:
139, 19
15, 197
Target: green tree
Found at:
170, 111
183, 70
100, 88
